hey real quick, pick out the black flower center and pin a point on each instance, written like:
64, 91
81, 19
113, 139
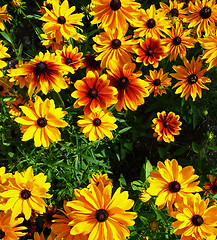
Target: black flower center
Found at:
177, 40
2, 234
214, 188
174, 187
157, 82
197, 220
42, 122
61, 20
68, 61
205, 12
174, 12
115, 43
49, 6
115, 5
41, 67
150, 52
150, 23
123, 82
96, 122
101, 215
92, 93
1, 88
166, 124
25, 194
192, 78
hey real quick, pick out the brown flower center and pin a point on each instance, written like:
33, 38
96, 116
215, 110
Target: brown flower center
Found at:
166, 124
61, 20
123, 82
174, 12
205, 12
197, 220
1, 88
192, 78
174, 187
42, 122
115, 43
68, 61
101, 215
2, 234
49, 6
96, 122
150, 23
40, 68
157, 82
150, 52
177, 40
115, 5
25, 194
93, 93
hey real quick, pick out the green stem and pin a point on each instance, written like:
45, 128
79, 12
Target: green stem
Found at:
61, 100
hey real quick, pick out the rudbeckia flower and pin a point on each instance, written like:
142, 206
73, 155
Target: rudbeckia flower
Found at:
131, 89
171, 183
157, 82
144, 196
25, 193
48, 216
14, 106
3, 54
91, 64
203, 16
195, 220
41, 122
61, 21
97, 178
4, 16
47, 4
94, 93
113, 45
97, 124
49, 40
4, 182
165, 126
150, 51
112, 14
211, 185
190, 79
100, 214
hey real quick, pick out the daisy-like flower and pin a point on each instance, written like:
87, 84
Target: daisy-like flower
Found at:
4, 86
48, 216
150, 51
4, 183
131, 89
190, 78
30, 224
113, 45
71, 58
9, 228
166, 126
91, 64
211, 185
14, 106
25, 193
203, 16
47, 4
50, 41
101, 215
16, 3
41, 122
112, 14
157, 82
171, 183
93, 92
97, 178
97, 124
61, 21
177, 42
195, 220
3, 54
152, 23
4, 17
46, 73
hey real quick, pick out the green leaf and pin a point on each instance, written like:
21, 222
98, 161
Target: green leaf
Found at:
212, 147
137, 185
148, 168
5, 35
122, 181
124, 130
195, 147
180, 151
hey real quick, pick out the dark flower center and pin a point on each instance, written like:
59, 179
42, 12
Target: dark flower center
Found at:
42, 122
115, 43
96, 122
2, 234
205, 12
41, 67
92, 93
214, 188
177, 40
174, 187
197, 220
54, 40
123, 82
92, 62
174, 12
101, 215
1, 88
150, 23
49, 6
157, 82
68, 61
166, 124
25, 194
150, 52
61, 20
115, 5
192, 78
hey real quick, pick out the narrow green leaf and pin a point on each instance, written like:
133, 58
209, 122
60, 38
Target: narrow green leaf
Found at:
148, 168
195, 147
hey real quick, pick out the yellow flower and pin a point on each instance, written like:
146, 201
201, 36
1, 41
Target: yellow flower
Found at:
41, 122
211, 185
144, 196
97, 178
16, 3
4, 16
14, 106
3, 54
50, 41
4, 183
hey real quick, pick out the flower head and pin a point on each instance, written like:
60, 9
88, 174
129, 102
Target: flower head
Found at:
91, 64
4, 16
144, 196
47, 4
49, 40
14, 106
97, 178
3, 54
48, 216
211, 185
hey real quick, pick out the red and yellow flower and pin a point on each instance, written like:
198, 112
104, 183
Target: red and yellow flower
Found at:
4, 17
